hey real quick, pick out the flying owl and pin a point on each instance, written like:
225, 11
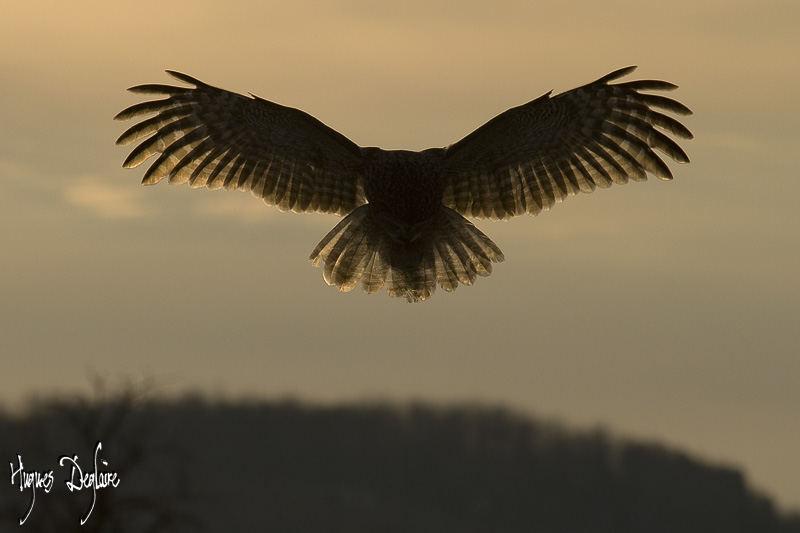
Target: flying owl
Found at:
405, 213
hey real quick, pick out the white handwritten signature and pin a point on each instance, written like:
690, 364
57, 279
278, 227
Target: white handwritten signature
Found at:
78, 480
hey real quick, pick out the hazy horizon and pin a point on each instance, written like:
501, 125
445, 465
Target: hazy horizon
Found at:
662, 310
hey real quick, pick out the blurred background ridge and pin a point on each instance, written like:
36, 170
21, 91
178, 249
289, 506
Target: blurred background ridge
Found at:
200, 465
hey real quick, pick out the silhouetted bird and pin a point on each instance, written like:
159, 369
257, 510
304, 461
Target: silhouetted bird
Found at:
404, 212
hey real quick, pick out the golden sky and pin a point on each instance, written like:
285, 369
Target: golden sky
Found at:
664, 310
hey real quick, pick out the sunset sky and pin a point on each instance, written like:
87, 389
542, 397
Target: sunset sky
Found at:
661, 310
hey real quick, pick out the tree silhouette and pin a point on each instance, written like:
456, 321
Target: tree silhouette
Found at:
195, 464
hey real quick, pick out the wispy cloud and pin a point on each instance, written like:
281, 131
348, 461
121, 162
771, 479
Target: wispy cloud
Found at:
105, 199
235, 206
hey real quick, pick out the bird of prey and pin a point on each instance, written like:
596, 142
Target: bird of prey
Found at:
405, 213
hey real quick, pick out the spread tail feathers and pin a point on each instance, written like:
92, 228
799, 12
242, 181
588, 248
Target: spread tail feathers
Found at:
409, 260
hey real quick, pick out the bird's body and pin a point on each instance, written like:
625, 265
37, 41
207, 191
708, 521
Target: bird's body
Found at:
405, 225
405, 185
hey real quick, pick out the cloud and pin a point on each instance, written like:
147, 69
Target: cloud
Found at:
105, 199
234, 206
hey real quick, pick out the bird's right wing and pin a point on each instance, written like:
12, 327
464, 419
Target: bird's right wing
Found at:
209, 137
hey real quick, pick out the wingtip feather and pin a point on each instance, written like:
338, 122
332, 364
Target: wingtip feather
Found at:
619, 73
185, 78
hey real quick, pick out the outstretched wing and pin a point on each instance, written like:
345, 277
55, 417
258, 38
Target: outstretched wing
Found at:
213, 138
531, 156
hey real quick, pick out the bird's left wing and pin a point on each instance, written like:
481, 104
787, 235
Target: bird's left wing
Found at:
209, 137
531, 156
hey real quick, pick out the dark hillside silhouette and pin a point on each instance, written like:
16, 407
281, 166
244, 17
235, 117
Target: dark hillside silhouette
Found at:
197, 465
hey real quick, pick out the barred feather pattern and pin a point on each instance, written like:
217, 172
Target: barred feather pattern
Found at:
443, 251
404, 225
209, 137
532, 156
